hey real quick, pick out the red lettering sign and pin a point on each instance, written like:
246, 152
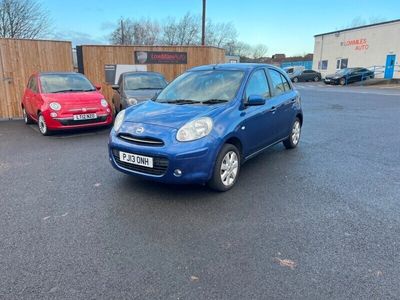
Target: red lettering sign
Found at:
360, 44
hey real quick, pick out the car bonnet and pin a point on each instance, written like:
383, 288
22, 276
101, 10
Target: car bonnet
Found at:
169, 115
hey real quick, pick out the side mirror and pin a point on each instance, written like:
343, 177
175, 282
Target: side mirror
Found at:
254, 100
115, 87
97, 86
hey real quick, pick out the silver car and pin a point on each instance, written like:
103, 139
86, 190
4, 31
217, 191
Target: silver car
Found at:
135, 87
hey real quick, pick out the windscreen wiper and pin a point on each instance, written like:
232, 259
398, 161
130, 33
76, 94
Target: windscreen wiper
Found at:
147, 88
214, 101
182, 101
72, 90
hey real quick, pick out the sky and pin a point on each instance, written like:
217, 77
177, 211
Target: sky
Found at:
284, 26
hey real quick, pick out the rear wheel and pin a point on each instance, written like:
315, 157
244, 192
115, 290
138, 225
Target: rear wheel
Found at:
27, 118
316, 78
342, 81
294, 138
226, 169
42, 125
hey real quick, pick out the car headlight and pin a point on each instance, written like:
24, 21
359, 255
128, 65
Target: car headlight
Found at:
55, 106
119, 119
195, 130
131, 101
104, 102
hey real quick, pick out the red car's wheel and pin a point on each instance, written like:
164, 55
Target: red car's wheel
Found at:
27, 118
42, 125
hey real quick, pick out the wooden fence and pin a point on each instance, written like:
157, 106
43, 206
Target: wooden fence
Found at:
21, 58
94, 58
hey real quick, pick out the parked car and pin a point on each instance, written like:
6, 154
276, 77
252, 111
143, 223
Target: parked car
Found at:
135, 87
349, 75
206, 123
58, 101
293, 69
305, 75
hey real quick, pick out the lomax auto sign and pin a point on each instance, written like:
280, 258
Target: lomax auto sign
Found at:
358, 44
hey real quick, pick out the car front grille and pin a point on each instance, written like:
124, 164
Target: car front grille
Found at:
144, 141
160, 165
68, 122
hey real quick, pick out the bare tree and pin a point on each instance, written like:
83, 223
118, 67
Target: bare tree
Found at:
123, 34
220, 34
139, 32
183, 31
169, 32
146, 32
259, 51
23, 19
238, 48
188, 30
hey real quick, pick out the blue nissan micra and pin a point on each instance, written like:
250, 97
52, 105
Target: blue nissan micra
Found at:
206, 123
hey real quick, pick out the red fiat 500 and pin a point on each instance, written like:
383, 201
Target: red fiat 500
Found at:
58, 101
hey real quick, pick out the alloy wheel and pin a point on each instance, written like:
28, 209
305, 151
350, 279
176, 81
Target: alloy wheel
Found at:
296, 132
42, 125
229, 168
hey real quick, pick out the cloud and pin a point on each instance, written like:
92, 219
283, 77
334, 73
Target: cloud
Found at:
78, 38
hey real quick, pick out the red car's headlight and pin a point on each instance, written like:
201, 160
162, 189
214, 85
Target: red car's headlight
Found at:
55, 106
104, 103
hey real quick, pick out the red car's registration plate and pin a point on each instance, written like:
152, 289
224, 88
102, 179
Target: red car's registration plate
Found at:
85, 117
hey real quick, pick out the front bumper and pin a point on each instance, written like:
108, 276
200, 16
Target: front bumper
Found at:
194, 159
331, 81
61, 123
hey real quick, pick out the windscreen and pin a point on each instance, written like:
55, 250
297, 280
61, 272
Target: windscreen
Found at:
143, 81
59, 83
343, 71
201, 86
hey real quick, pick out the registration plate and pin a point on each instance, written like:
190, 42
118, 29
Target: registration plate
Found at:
135, 159
85, 117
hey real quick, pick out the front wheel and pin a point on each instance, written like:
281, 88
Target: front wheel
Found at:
294, 138
342, 81
226, 169
316, 79
42, 125
295, 80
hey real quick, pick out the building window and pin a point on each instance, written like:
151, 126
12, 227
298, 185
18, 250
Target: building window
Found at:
323, 65
341, 63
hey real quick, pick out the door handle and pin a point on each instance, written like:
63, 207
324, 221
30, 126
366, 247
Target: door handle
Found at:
293, 100
272, 109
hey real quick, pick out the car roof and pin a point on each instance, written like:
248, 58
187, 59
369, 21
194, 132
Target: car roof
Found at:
232, 66
142, 72
58, 73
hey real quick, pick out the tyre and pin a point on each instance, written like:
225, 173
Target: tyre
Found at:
295, 80
316, 79
294, 138
342, 81
42, 125
27, 118
226, 169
